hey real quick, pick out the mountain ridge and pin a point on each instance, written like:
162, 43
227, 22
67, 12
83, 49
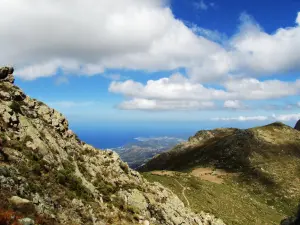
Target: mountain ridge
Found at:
260, 164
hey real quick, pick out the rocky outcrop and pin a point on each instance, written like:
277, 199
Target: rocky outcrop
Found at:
44, 164
6, 73
297, 126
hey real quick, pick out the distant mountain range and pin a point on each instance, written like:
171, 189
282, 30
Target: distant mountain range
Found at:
144, 148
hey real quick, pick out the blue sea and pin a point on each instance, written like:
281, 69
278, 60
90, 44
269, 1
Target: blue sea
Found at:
116, 135
112, 135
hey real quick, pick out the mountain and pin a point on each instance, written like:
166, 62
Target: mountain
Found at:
254, 172
143, 149
49, 176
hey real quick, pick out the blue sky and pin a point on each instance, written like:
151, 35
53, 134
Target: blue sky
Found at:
203, 63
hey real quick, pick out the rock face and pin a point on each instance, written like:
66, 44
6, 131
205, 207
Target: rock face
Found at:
44, 164
297, 126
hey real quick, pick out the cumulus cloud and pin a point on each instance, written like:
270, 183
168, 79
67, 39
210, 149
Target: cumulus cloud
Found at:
178, 87
90, 36
163, 105
287, 117
250, 88
262, 53
241, 118
283, 117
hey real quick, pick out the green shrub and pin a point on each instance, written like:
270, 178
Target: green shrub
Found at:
16, 107
74, 183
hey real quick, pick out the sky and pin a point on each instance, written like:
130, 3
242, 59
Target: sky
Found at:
204, 63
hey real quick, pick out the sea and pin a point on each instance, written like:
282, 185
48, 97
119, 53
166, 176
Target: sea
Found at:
107, 135
117, 135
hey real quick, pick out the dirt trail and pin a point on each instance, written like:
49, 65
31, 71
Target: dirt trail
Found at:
183, 194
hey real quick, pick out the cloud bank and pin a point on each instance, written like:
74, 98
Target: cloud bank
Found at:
283, 118
133, 34
89, 37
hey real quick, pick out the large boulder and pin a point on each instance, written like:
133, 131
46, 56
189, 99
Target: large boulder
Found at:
297, 126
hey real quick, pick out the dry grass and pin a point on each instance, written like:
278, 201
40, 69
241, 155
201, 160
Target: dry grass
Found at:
228, 201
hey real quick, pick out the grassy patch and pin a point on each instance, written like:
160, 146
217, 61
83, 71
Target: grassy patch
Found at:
229, 201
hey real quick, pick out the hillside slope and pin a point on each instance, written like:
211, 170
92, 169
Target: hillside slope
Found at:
51, 177
261, 162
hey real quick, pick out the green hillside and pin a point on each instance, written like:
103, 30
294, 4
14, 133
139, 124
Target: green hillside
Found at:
259, 182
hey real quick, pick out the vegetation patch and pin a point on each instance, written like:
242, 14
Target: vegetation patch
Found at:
229, 201
67, 178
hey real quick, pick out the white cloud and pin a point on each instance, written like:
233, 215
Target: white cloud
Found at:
159, 105
264, 54
250, 88
40, 37
241, 118
287, 117
298, 19
234, 104
283, 117
178, 87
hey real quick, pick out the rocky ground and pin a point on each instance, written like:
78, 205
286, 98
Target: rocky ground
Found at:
49, 176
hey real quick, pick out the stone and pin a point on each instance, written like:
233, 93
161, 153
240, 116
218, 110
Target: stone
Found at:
16, 200
297, 126
146, 222
5, 96
26, 221
22, 204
